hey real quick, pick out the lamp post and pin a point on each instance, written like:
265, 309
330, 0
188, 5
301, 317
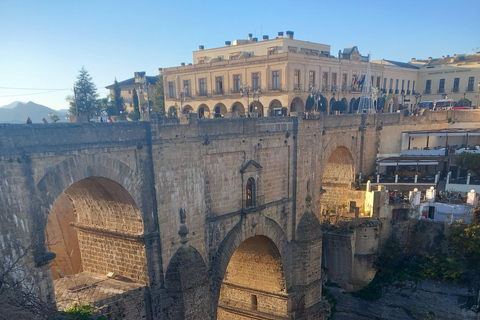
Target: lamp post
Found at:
315, 95
246, 90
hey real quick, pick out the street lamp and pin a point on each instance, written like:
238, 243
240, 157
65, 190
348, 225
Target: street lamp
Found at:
246, 90
315, 95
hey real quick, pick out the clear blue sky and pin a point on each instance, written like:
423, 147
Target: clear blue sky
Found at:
45, 43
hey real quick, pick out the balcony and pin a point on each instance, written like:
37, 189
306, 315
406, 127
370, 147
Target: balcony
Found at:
408, 91
384, 90
202, 93
334, 88
396, 91
344, 87
218, 92
325, 88
441, 90
277, 87
455, 89
390, 90
297, 86
469, 89
427, 91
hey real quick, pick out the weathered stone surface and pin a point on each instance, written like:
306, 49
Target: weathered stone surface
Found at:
407, 301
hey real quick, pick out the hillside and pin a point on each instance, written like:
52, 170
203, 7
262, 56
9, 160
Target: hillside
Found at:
17, 112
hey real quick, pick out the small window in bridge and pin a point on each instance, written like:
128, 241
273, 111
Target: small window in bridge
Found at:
250, 193
254, 302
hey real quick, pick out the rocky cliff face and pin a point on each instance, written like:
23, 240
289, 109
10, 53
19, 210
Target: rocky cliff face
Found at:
402, 301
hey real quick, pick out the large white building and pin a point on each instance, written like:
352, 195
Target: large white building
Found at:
280, 76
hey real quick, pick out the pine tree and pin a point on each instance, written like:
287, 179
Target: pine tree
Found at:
158, 97
84, 101
117, 100
135, 115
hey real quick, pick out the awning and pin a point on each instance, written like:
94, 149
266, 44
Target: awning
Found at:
407, 162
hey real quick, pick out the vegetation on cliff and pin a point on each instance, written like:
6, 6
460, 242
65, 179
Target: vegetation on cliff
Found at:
456, 262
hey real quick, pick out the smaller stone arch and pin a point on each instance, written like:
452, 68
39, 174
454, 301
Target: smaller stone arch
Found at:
238, 110
220, 111
297, 105
186, 280
203, 111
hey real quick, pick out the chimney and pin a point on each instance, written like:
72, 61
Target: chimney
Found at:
339, 54
182, 64
228, 43
160, 69
255, 39
289, 34
280, 34
249, 37
265, 37
201, 47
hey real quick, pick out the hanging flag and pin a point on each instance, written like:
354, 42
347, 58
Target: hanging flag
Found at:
361, 81
354, 78
355, 85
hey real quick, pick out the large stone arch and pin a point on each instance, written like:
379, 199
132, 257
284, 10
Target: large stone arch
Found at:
237, 235
338, 176
100, 186
187, 284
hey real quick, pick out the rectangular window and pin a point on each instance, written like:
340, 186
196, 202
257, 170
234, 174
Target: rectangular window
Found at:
441, 86
171, 90
385, 84
413, 86
311, 79
325, 81
219, 85
378, 82
396, 85
456, 84
203, 86
390, 90
408, 85
186, 87
275, 80
428, 86
255, 81
236, 83
344, 82
471, 80
403, 86
296, 80
334, 79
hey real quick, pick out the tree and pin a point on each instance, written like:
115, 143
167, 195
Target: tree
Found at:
54, 117
117, 100
158, 97
135, 114
470, 161
84, 101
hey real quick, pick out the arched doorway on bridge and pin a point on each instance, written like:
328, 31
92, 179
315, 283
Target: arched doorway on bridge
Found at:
338, 176
187, 109
275, 109
97, 233
254, 285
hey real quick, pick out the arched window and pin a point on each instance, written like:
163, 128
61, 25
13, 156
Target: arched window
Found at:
250, 193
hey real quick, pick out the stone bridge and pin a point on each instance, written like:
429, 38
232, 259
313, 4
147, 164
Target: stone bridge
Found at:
210, 219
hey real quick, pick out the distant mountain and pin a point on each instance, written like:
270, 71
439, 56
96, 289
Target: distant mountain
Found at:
11, 105
17, 112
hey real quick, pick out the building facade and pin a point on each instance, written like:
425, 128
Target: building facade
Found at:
142, 83
280, 76
455, 78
